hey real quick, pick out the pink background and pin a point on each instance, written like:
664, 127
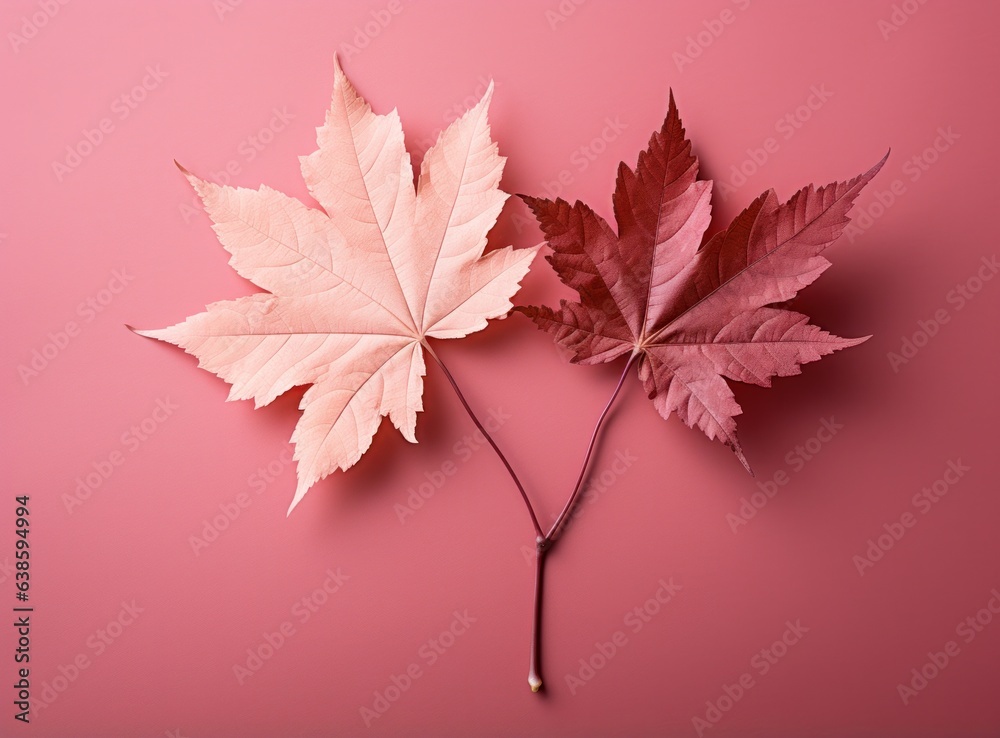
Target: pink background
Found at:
125, 207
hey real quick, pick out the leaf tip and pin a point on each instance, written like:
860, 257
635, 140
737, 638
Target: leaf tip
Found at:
141, 332
875, 169
537, 205
487, 97
302, 486
738, 450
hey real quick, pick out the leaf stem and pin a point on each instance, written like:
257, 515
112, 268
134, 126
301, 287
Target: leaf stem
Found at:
554, 531
489, 438
544, 543
535, 664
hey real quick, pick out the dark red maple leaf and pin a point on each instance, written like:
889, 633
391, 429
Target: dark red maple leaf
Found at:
691, 315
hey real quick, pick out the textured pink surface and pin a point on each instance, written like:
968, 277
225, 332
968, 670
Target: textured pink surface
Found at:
115, 239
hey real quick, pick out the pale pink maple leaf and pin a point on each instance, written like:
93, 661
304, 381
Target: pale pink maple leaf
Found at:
355, 289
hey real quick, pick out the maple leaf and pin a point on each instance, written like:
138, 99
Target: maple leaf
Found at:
354, 290
692, 316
